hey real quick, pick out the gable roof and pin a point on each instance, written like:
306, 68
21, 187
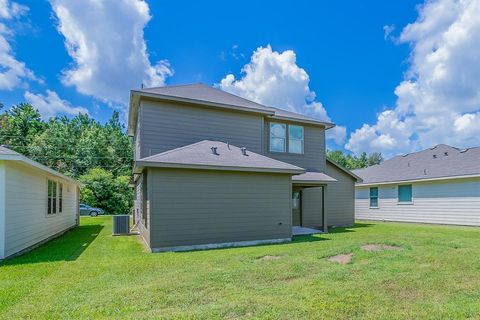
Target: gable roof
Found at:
10, 155
200, 156
437, 163
342, 168
202, 94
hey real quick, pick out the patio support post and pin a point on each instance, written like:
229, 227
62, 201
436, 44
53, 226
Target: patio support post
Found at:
324, 215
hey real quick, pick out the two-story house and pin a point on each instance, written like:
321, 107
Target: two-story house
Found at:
213, 170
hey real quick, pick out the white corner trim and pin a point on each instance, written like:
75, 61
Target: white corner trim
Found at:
220, 245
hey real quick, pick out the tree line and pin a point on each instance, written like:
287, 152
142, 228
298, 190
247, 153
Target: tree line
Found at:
352, 162
98, 155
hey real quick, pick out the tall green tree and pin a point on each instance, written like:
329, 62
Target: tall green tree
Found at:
355, 162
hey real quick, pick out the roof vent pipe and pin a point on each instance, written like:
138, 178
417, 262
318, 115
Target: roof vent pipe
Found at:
244, 151
445, 153
214, 151
425, 171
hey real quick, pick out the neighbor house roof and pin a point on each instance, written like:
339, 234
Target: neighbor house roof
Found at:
438, 163
227, 157
202, 94
10, 155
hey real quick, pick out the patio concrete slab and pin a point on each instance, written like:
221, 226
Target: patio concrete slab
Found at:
301, 231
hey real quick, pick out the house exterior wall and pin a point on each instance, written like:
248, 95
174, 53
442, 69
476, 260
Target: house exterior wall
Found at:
193, 207
442, 202
312, 207
2, 210
340, 197
26, 220
313, 158
167, 125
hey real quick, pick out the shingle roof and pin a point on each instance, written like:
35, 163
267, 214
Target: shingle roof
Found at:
10, 155
198, 93
6, 151
199, 155
312, 177
442, 161
202, 92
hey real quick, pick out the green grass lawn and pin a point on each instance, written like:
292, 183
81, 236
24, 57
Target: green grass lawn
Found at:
88, 274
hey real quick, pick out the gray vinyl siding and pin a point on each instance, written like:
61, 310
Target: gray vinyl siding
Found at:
140, 207
312, 207
137, 138
313, 158
166, 126
442, 202
340, 198
190, 207
26, 220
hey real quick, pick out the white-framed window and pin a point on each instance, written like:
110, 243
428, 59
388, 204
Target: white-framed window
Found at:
405, 193
295, 139
278, 137
374, 197
52, 197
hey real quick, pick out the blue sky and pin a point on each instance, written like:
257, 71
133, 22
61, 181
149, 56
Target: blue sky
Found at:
373, 84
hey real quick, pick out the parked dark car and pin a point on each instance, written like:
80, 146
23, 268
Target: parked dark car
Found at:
86, 210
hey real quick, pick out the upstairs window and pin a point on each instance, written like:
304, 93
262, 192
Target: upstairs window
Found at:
52, 197
278, 137
405, 193
374, 197
295, 139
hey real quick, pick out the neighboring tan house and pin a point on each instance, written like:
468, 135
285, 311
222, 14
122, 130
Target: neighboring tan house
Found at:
213, 169
36, 203
438, 185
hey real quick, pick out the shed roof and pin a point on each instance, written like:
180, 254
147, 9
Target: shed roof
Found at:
312, 178
228, 157
10, 155
439, 162
203, 94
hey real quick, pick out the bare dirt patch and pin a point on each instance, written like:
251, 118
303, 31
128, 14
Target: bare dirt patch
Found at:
379, 247
269, 258
341, 258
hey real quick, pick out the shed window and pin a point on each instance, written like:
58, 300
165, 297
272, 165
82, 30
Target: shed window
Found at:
52, 197
278, 137
295, 139
60, 197
374, 197
405, 193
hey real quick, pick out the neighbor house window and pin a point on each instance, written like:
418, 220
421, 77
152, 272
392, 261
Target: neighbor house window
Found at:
60, 198
52, 197
278, 137
295, 139
374, 197
405, 193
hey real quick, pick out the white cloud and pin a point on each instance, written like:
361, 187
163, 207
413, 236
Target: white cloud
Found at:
106, 42
439, 99
274, 79
12, 71
50, 104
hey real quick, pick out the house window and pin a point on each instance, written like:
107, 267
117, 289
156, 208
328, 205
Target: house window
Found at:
60, 197
295, 139
374, 197
278, 137
405, 193
52, 197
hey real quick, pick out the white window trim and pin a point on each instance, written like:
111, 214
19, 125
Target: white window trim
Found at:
302, 140
370, 198
285, 143
50, 215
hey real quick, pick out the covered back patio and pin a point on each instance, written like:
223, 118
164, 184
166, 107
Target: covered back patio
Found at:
308, 203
